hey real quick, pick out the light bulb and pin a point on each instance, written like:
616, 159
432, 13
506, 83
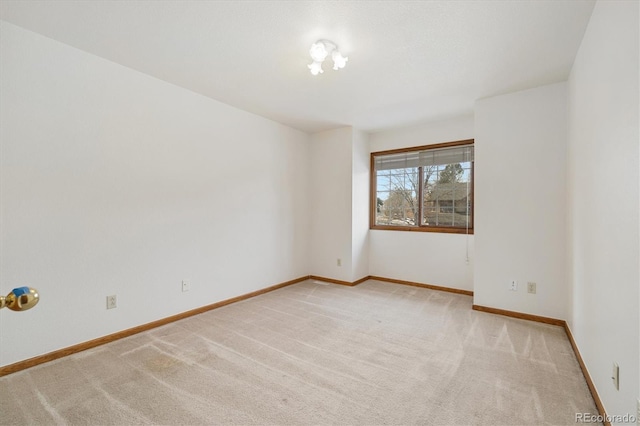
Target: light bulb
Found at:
339, 61
318, 52
315, 68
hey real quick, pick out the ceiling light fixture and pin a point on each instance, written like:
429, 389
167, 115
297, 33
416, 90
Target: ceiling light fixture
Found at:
319, 52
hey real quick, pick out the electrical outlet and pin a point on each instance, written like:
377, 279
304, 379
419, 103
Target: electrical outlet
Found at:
513, 285
531, 287
111, 302
339, 262
186, 285
615, 376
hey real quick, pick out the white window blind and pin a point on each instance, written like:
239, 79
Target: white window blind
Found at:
432, 157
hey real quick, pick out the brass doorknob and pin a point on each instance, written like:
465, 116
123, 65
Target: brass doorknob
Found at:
20, 299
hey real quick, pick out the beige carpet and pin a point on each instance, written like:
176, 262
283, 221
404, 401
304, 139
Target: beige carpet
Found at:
311, 353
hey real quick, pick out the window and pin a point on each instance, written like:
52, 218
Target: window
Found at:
427, 188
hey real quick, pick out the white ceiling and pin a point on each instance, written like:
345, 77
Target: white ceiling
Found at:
409, 61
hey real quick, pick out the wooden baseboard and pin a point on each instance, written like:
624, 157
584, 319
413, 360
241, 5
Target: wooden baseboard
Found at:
520, 315
340, 282
429, 286
41, 359
393, 281
567, 329
587, 376
361, 280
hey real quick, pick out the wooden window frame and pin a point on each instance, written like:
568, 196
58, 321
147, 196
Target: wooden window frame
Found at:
418, 227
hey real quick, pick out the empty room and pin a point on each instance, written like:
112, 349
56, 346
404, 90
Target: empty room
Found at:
319, 212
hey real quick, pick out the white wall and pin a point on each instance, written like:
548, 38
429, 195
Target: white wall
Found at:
604, 198
339, 204
331, 202
423, 257
114, 182
520, 189
360, 205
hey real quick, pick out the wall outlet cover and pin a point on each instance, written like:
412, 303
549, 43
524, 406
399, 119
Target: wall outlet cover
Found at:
531, 287
112, 302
